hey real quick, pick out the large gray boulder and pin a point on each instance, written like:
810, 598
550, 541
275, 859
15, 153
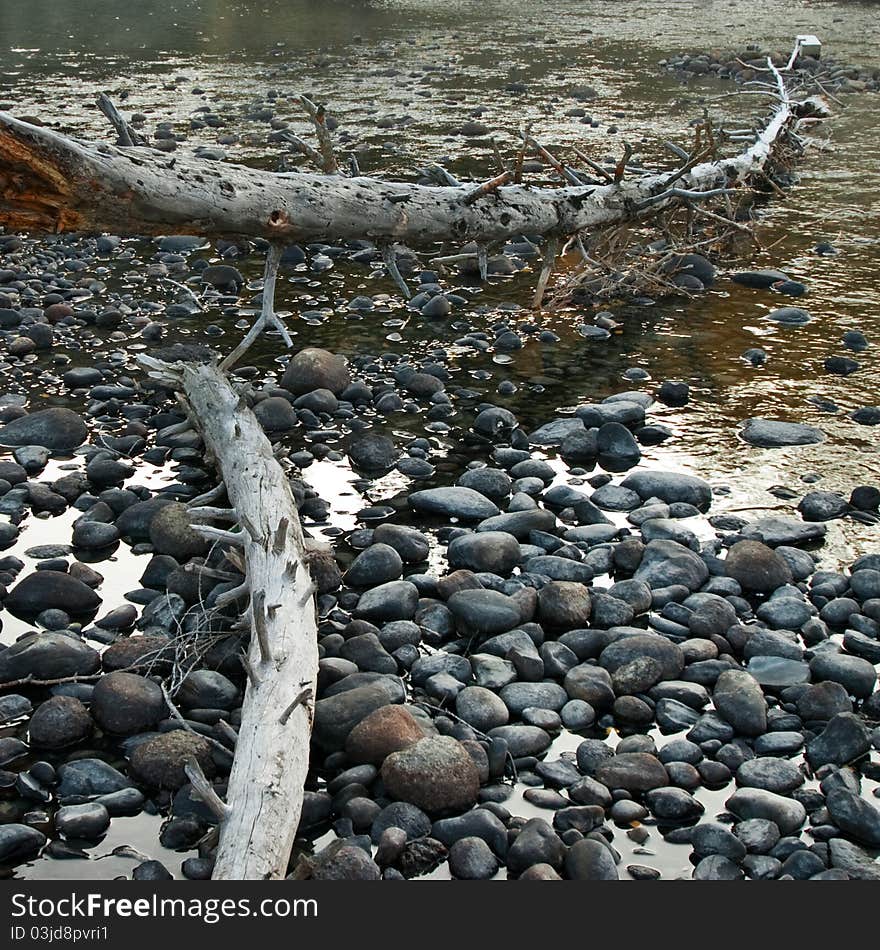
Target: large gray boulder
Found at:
58, 429
46, 656
47, 590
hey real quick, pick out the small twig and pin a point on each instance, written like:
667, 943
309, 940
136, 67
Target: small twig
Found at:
307, 594
208, 497
228, 732
525, 132
32, 681
620, 168
230, 596
303, 699
176, 714
178, 428
204, 790
704, 212
210, 513
487, 187
219, 535
258, 616
249, 670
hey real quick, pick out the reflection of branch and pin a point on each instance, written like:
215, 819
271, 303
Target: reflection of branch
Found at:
684, 194
267, 319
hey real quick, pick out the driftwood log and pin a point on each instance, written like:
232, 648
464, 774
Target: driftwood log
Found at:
50, 182
264, 798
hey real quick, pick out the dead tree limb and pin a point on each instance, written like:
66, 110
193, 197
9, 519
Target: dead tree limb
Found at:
318, 116
49, 182
124, 130
265, 791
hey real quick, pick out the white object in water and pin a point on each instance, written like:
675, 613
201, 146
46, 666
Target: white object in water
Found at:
809, 45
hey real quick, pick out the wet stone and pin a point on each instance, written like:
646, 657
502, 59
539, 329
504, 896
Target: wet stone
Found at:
88, 821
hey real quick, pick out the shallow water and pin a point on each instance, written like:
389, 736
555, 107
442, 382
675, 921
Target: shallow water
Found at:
429, 65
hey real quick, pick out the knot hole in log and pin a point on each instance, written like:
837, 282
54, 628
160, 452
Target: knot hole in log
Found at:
278, 219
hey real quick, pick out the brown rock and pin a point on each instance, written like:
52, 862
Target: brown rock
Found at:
564, 604
634, 771
388, 729
757, 567
314, 368
171, 532
125, 703
436, 775
137, 652
160, 761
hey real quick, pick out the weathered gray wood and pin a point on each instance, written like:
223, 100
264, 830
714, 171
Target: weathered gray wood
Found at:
264, 797
50, 182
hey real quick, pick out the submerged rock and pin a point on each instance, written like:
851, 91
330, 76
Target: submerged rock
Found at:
770, 433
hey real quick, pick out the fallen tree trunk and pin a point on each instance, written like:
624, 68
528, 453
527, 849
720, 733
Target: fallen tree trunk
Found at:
49, 182
265, 792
